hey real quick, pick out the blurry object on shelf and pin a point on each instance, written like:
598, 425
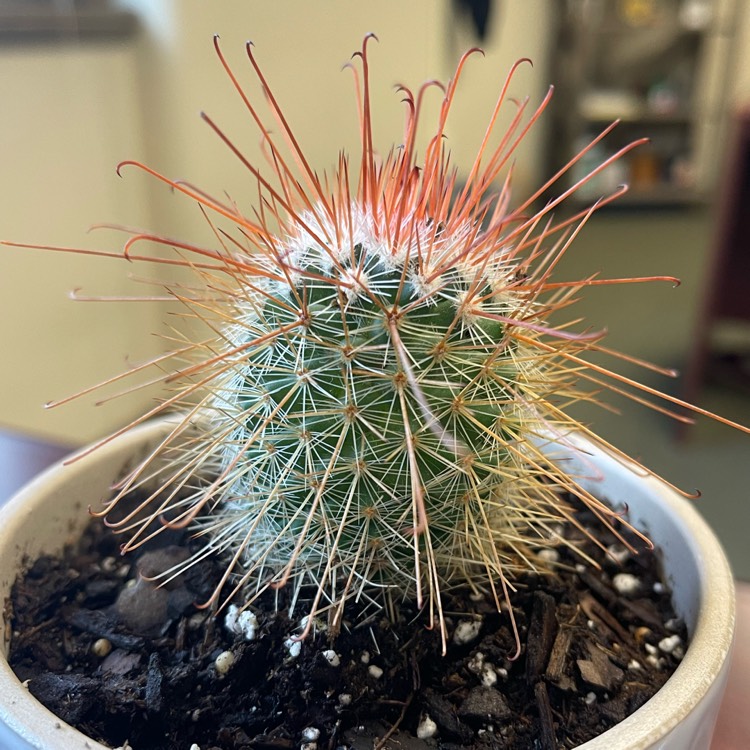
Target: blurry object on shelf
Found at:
25, 20
663, 99
696, 15
645, 169
609, 104
682, 173
657, 67
638, 12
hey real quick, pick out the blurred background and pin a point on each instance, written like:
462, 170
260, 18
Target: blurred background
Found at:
85, 84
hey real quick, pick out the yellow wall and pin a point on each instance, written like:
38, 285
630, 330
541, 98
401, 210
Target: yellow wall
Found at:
301, 46
69, 113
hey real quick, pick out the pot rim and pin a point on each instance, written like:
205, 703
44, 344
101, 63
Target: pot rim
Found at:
706, 659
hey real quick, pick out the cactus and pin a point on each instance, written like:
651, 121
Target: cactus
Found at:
371, 418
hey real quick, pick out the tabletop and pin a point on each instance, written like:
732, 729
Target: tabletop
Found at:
22, 457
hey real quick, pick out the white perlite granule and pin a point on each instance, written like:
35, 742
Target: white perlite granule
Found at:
332, 657
427, 728
626, 583
293, 646
549, 555
243, 623
466, 631
488, 676
671, 645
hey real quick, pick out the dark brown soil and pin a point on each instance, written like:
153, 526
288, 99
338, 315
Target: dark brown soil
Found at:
591, 656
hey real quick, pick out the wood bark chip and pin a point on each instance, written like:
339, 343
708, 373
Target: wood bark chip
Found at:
99, 623
595, 611
541, 635
612, 599
558, 660
484, 703
154, 680
443, 713
598, 671
547, 738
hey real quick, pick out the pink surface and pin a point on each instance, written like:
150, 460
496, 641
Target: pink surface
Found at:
733, 725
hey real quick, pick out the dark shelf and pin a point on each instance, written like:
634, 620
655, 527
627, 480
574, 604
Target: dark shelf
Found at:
645, 70
21, 23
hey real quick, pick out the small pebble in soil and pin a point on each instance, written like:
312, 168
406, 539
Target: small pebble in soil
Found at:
142, 607
224, 662
641, 634
375, 671
365, 657
467, 631
160, 562
101, 647
626, 584
427, 728
196, 621
658, 587
332, 657
345, 699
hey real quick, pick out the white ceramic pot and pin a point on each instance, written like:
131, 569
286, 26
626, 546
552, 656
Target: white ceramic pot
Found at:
51, 510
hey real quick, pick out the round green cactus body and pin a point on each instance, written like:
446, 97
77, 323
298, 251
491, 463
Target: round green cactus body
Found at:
378, 413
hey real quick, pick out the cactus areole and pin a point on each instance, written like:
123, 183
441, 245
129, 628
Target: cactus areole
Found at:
375, 412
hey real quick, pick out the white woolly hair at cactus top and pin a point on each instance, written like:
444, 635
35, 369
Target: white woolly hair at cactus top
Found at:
365, 421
